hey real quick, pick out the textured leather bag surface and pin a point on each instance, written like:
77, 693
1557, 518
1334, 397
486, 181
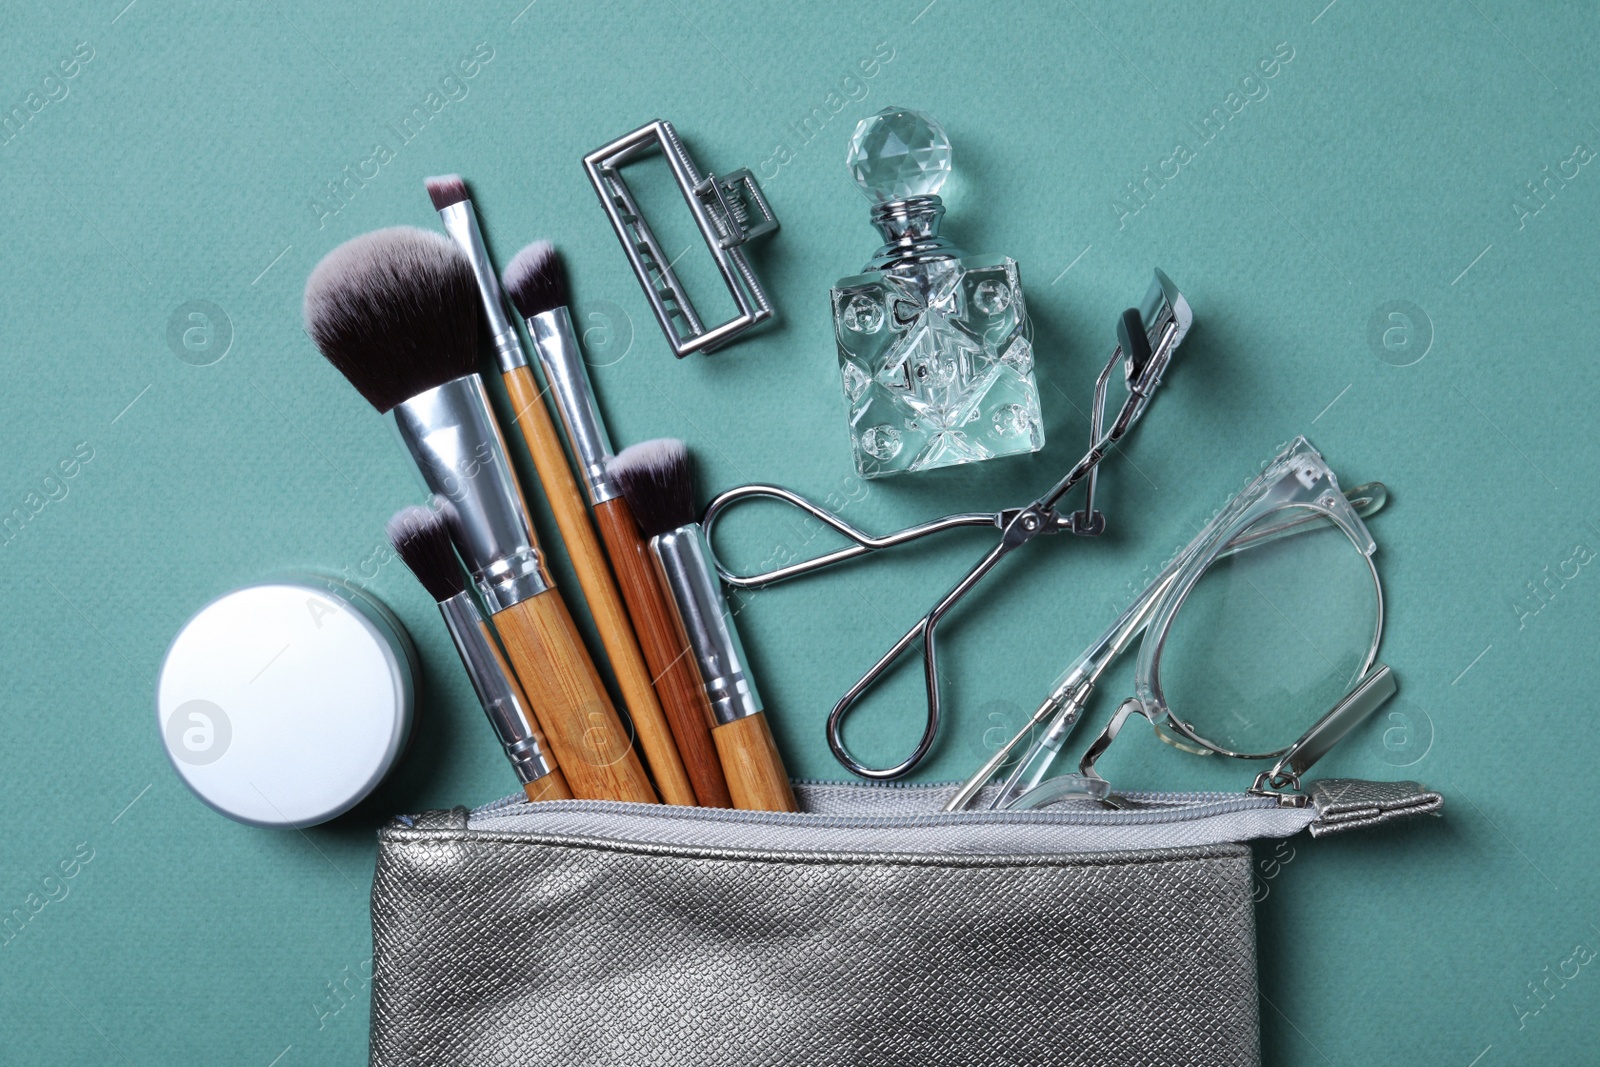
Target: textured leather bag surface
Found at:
602, 947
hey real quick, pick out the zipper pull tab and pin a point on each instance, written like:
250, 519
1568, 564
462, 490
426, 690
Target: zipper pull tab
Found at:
1282, 787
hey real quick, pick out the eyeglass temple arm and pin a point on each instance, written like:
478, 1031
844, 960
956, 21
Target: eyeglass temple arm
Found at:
862, 542
1043, 752
1066, 703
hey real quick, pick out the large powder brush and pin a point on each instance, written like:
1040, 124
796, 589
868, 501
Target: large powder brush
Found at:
396, 312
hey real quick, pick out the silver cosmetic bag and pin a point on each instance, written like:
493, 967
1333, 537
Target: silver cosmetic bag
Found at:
870, 929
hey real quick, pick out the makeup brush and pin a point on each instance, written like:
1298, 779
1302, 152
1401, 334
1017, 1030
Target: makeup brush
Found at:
422, 541
395, 311
454, 204
656, 478
536, 284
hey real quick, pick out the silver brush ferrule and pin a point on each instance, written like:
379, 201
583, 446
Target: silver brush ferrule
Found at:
501, 698
568, 378
461, 223
453, 436
683, 560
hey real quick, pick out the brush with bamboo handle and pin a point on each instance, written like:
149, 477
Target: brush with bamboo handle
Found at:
659, 486
554, 787
536, 284
396, 312
452, 200
422, 541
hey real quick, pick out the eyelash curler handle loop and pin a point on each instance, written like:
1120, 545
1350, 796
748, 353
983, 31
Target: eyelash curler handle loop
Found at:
862, 542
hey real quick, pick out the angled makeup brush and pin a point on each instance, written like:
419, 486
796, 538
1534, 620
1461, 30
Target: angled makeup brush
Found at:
396, 312
422, 541
454, 204
536, 284
656, 478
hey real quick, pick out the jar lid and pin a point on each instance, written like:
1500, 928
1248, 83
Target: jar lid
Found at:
286, 703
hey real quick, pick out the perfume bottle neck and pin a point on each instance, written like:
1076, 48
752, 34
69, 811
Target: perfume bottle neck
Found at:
910, 230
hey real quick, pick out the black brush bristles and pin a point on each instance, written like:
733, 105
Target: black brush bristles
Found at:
656, 479
421, 538
535, 280
396, 311
445, 190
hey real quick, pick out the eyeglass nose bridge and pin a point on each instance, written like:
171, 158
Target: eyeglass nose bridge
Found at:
1102, 788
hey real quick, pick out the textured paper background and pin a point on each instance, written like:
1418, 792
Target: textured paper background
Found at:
1387, 160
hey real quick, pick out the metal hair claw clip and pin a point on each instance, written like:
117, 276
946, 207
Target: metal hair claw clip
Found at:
728, 211
1147, 337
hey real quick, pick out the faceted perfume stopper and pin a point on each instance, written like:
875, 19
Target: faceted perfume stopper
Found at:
898, 153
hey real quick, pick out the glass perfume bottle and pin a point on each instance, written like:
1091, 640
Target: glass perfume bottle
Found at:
935, 347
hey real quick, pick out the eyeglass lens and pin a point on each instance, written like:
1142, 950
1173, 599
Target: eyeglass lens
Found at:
1271, 636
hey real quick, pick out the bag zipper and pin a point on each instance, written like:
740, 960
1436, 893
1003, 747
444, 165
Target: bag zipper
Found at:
1149, 808
908, 820
902, 820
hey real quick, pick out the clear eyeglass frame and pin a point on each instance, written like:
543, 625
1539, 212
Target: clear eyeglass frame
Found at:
1296, 492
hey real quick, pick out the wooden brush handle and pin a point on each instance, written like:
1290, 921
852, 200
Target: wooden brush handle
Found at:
756, 777
594, 577
683, 698
552, 786
582, 727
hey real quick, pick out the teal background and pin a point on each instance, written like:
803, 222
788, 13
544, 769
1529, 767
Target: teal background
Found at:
1384, 163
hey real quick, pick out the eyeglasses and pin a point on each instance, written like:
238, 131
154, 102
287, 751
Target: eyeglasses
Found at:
1268, 619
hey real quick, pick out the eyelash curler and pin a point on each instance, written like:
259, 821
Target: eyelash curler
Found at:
1147, 337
